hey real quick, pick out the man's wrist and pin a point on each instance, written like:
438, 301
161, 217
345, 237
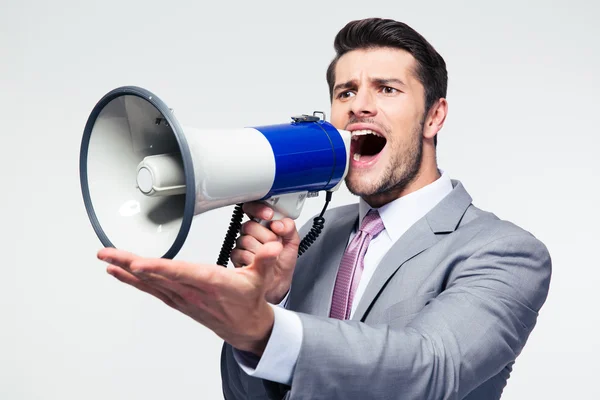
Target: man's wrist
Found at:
277, 296
257, 343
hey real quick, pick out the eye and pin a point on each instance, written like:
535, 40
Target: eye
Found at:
388, 90
345, 95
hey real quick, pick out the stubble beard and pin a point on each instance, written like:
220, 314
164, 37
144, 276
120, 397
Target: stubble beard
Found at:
403, 169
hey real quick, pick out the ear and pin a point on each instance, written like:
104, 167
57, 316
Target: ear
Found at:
435, 118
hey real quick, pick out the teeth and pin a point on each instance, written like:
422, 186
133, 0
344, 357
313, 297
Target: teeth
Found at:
356, 134
356, 157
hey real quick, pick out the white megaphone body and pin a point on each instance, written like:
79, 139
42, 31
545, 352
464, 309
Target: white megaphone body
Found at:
144, 177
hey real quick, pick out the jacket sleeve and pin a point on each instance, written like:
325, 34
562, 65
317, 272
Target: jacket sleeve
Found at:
463, 337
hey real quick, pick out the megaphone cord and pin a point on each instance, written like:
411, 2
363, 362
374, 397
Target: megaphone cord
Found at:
232, 232
318, 225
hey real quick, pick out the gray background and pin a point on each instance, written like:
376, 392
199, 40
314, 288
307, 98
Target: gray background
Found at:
521, 134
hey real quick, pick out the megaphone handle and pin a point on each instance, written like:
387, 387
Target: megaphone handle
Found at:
288, 205
267, 223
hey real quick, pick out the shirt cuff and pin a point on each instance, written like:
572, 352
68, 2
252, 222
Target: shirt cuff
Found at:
279, 359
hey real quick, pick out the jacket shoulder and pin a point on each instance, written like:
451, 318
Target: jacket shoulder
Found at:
485, 226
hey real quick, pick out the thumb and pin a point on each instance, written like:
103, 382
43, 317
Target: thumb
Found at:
290, 240
286, 229
265, 259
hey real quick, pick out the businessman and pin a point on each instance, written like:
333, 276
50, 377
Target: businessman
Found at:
412, 293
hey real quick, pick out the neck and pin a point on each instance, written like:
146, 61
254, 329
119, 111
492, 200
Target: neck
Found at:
428, 173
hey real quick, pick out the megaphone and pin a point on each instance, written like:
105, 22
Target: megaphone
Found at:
144, 177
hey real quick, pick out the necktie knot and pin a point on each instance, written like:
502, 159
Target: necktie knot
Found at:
372, 223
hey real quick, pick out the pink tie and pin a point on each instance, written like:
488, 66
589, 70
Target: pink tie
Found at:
352, 265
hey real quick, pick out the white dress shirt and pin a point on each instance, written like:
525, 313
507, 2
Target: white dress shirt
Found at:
281, 353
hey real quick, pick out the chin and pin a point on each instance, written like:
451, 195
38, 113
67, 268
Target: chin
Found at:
361, 185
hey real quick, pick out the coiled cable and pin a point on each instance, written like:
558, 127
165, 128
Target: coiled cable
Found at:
315, 231
231, 236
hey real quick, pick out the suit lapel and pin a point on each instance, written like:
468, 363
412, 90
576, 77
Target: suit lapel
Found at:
418, 238
442, 219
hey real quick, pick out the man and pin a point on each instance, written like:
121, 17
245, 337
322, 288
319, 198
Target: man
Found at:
414, 293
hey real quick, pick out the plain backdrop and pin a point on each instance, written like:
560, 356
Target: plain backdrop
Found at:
521, 134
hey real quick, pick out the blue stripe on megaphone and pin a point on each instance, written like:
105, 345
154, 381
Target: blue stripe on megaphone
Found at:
309, 156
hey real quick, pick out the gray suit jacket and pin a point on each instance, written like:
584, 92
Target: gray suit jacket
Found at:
446, 313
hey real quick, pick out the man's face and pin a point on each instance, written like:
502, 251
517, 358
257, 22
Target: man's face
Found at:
378, 98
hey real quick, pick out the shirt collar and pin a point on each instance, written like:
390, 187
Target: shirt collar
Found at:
402, 213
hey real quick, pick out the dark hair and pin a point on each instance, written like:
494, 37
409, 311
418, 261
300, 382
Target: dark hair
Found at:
377, 32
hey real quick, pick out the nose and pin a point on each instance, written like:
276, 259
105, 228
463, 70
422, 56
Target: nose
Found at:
363, 104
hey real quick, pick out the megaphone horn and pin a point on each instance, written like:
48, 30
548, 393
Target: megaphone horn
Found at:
144, 177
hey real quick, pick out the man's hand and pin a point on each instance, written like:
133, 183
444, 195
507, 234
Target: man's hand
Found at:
230, 302
254, 236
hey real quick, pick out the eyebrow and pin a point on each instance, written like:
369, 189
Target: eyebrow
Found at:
376, 81
387, 81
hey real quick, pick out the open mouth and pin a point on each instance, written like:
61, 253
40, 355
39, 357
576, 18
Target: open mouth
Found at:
366, 145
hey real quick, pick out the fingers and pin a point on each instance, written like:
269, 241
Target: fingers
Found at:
199, 276
117, 257
253, 237
247, 242
130, 279
138, 272
259, 232
257, 209
241, 257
